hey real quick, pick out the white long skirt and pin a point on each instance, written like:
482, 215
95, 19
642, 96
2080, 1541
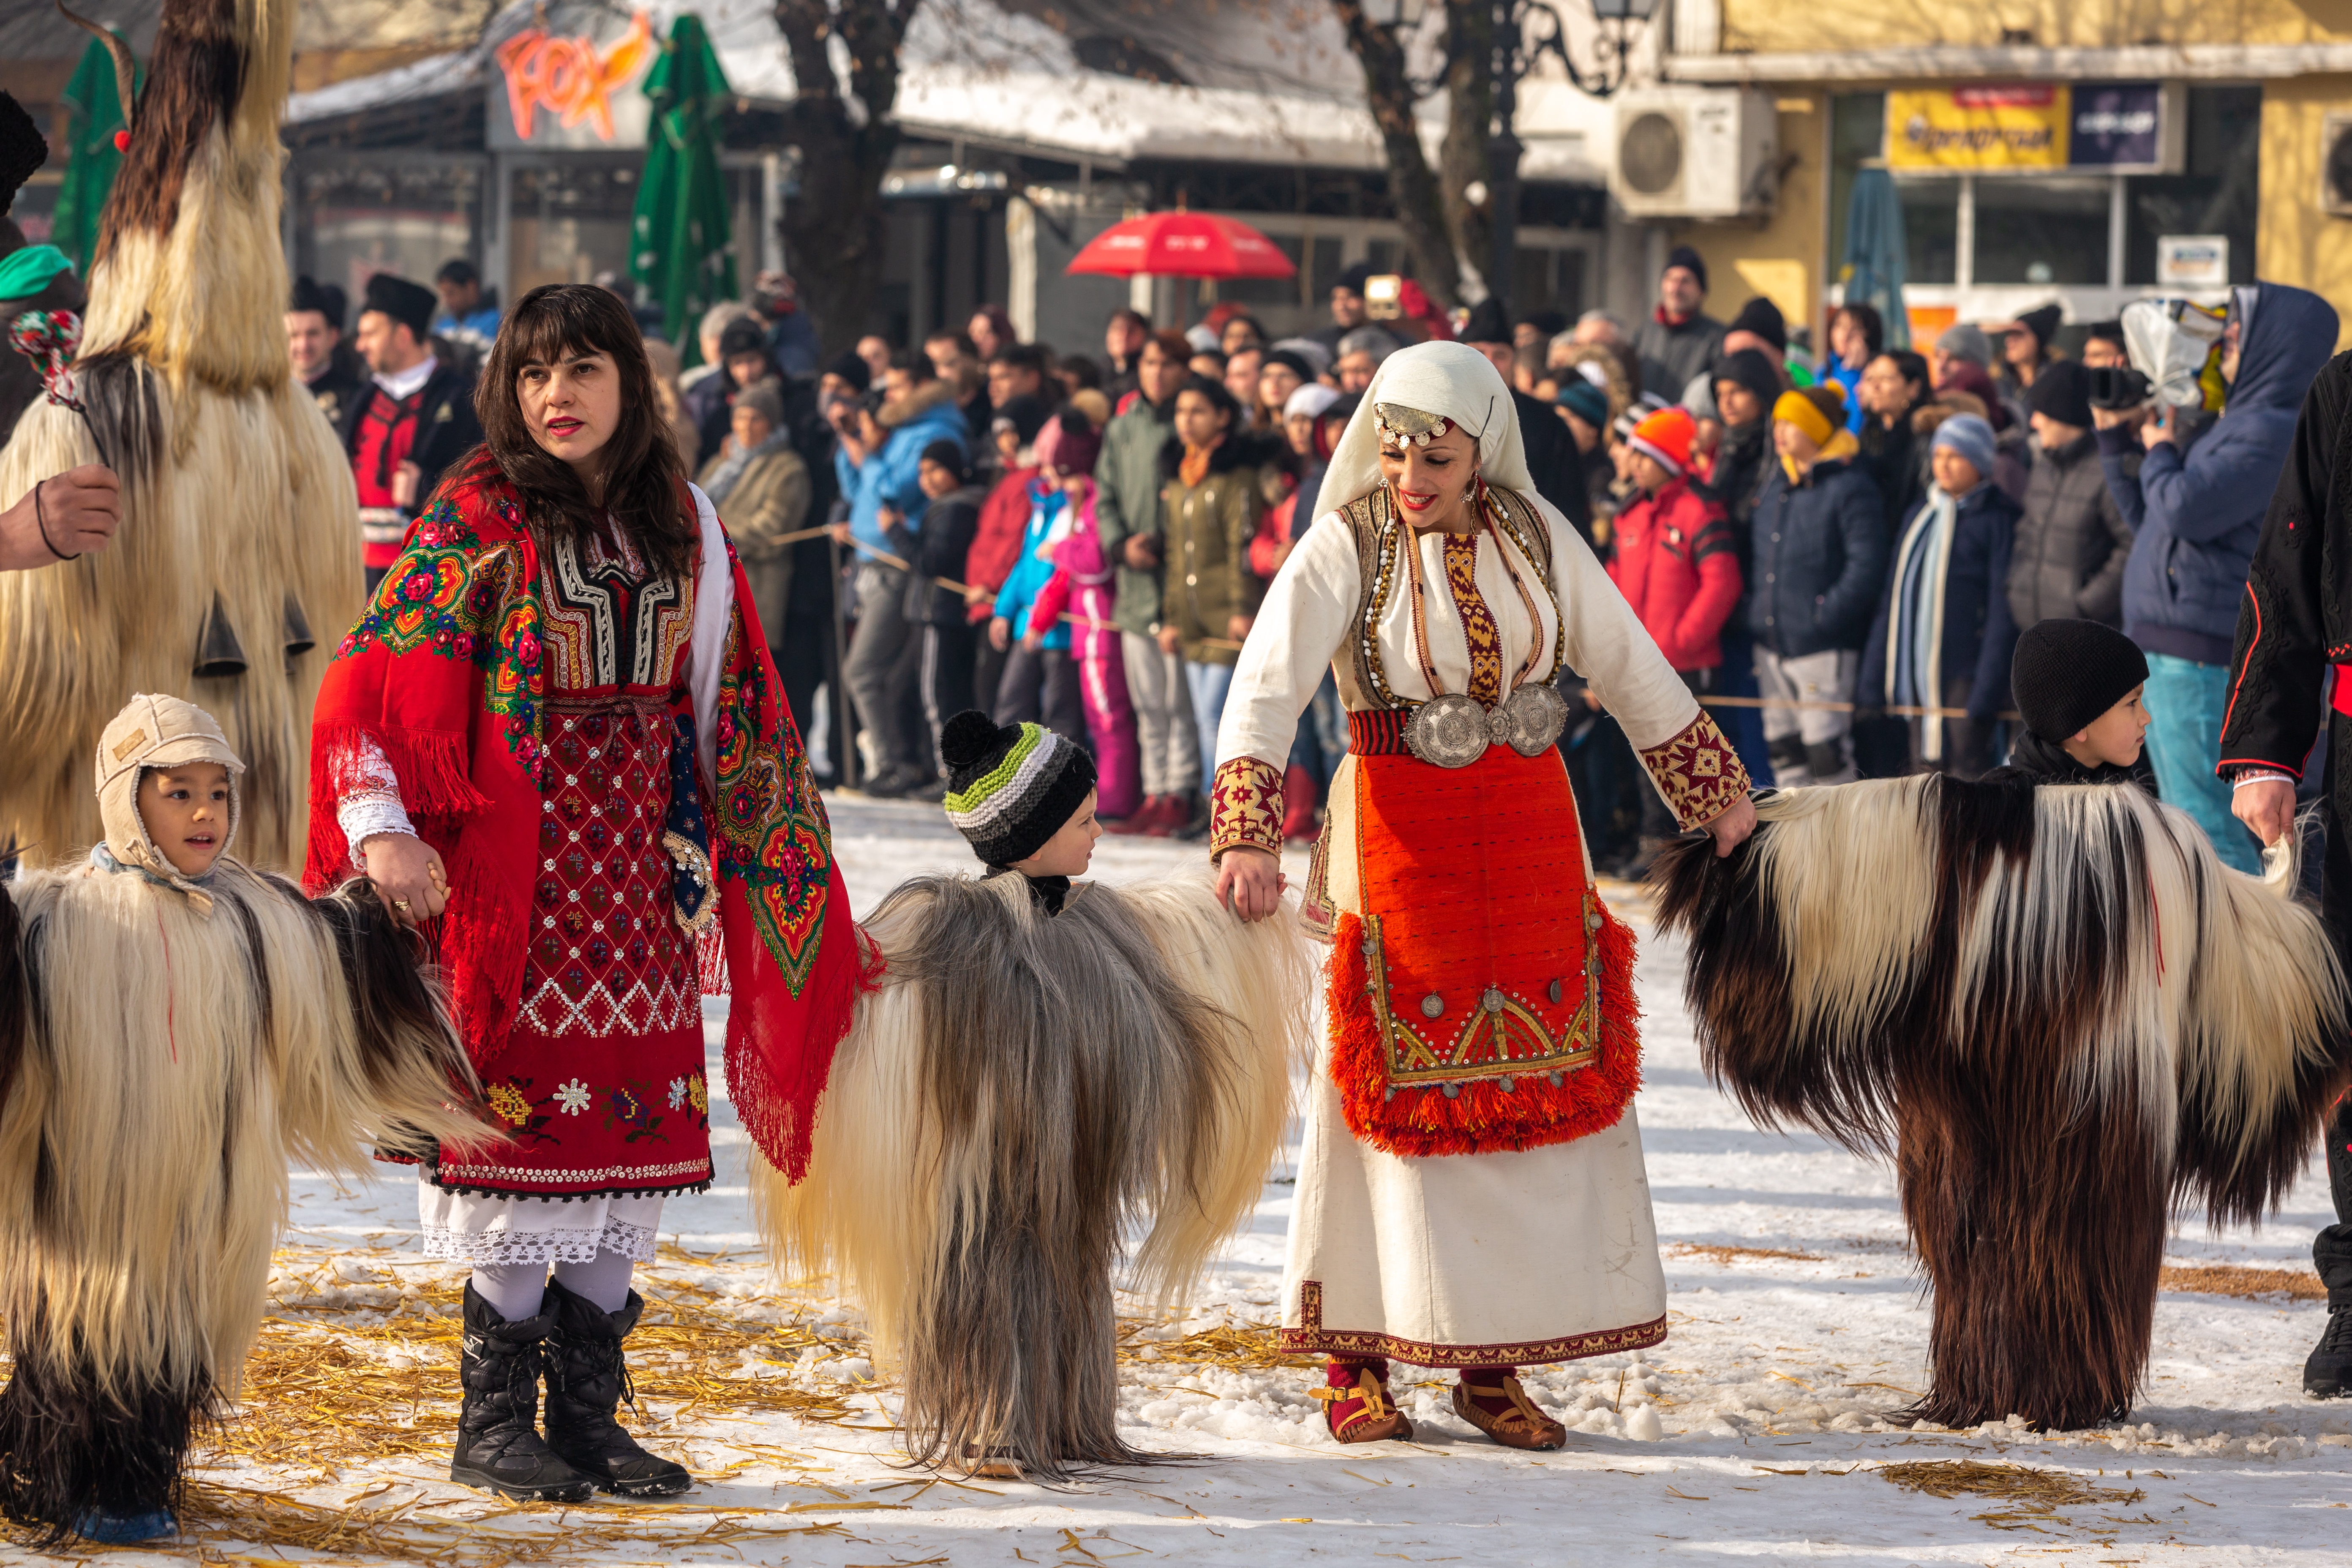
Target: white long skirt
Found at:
475, 1229
1548, 1254
1506, 1259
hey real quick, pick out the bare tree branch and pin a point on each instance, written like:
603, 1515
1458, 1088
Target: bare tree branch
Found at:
1420, 205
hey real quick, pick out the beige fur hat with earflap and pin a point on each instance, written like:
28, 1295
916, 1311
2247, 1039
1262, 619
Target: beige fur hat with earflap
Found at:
157, 731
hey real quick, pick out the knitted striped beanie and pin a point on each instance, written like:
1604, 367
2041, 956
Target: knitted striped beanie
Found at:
1011, 788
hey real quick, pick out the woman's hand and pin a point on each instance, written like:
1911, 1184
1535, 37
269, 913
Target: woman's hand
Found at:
1000, 634
1170, 639
1249, 882
1732, 826
1032, 640
408, 876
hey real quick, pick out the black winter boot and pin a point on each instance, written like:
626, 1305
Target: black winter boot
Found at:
586, 1381
2328, 1373
499, 1445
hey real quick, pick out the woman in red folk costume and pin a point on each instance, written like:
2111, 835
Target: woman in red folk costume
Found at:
555, 739
1471, 1192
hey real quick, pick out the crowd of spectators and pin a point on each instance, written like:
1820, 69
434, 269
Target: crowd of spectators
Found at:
1824, 547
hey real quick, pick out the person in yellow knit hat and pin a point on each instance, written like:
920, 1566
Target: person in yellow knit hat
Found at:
1819, 558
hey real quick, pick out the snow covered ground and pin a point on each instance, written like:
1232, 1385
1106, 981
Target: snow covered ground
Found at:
1756, 1431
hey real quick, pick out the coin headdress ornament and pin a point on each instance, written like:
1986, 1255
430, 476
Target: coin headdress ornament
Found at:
1400, 427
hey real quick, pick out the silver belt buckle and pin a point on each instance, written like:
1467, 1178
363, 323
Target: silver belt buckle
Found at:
1455, 730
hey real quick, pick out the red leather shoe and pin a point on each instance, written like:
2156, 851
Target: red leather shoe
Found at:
1357, 1403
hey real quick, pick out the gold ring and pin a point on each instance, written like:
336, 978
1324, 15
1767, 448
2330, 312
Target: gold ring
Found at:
400, 904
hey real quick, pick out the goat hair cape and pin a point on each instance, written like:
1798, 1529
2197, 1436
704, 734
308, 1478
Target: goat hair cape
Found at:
1021, 1087
2062, 1014
160, 1068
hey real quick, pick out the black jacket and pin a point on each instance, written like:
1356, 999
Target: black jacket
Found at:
2295, 617
1553, 462
446, 427
939, 550
1820, 550
337, 388
2072, 542
2039, 762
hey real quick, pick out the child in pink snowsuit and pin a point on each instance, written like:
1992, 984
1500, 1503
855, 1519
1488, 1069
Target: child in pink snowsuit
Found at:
1082, 584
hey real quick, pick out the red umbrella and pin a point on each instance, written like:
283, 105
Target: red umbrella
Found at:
1183, 245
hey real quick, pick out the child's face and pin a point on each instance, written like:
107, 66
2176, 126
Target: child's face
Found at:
937, 481
186, 813
1068, 852
2114, 736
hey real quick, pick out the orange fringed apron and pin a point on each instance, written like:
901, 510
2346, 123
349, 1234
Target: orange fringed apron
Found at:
1483, 998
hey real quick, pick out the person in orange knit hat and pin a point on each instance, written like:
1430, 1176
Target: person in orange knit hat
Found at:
1471, 1192
1674, 560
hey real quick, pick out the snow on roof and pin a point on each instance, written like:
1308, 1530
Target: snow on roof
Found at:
973, 68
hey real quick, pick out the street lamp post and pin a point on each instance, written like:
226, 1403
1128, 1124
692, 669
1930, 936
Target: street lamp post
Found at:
1516, 53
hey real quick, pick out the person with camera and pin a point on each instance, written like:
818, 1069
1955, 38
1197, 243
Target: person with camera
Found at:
2196, 517
2295, 623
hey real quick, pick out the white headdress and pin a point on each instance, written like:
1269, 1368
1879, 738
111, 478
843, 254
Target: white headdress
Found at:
1433, 381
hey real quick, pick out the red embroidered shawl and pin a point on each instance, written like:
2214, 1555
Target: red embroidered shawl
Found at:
445, 672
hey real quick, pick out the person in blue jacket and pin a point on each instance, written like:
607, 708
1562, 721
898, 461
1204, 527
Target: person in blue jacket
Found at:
1944, 636
879, 461
1818, 544
2197, 514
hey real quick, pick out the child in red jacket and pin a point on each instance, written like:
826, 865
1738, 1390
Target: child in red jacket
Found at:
1674, 562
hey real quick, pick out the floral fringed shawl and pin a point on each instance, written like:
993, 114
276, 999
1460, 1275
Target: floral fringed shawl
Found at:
445, 673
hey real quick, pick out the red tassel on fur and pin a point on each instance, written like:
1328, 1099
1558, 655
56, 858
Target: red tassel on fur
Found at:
1481, 1118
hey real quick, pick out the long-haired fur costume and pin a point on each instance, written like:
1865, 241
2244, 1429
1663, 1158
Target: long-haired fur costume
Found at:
2059, 1010
236, 492
161, 1069
1020, 1088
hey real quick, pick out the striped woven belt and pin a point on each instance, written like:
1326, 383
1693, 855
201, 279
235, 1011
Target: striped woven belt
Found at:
1379, 732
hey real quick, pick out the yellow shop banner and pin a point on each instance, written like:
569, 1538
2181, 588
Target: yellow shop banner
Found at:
2018, 125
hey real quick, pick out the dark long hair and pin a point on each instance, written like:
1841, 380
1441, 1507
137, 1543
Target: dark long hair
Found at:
644, 478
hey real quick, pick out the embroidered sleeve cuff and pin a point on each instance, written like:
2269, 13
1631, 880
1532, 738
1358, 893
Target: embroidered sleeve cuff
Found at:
2256, 775
1697, 772
1245, 806
367, 795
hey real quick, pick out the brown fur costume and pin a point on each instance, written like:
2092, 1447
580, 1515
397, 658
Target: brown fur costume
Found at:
240, 540
162, 1065
2062, 1013
1021, 1087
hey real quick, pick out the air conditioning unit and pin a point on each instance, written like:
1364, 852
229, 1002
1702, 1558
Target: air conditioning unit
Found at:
1695, 151
2336, 164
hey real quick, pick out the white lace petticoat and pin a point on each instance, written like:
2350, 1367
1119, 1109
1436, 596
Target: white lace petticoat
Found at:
477, 1229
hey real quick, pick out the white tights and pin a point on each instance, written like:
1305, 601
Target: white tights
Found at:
516, 1290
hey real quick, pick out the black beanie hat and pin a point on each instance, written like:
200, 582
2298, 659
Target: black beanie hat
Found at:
1011, 787
309, 296
2062, 391
1763, 317
1488, 323
742, 337
851, 368
412, 304
2064, 674
1684, 256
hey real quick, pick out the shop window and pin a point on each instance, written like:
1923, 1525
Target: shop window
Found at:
1931, 230
1547, 279
384, 215
1323, 273
2041, 231
2214, 194
570, 223
1270, 292
1857, 136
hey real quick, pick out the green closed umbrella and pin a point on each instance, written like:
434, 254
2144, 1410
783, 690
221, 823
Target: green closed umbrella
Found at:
93, 114
678, 233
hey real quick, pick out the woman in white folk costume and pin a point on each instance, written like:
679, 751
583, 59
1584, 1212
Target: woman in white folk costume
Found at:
1471, 1193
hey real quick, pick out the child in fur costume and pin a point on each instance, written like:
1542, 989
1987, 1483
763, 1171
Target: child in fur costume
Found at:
2054, 1004
1044, 1060
175, 1030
